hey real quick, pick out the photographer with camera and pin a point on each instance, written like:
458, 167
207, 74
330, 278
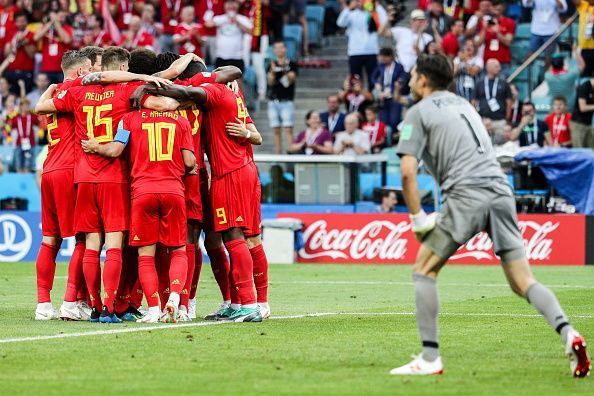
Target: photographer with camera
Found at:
362, 20
477, 20
497, 36
438, 23
410, 41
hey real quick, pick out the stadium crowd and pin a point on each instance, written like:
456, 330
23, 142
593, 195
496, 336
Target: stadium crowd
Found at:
477, 37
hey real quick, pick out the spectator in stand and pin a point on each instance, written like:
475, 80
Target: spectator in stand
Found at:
315, 139
23, 130
479, 19
275, 19
282, 75
361, 29
80, 23
438, 23
56, 38
493, 98
136, 37
4, 92
516, 113
206, 10
530, 130
95, 35
389, 79
7, 11
467, 67
169, 12
297, 9
389, 201
497, 36
188, 34
352, 141
230, 30
562, 79
354, 96
450, 43
545, 21
581, 118
258, 11
410, 41
21, 44
333, 118
558, 123
375, 129
41, 83
433, 49
122, 11
585, 8
150, 26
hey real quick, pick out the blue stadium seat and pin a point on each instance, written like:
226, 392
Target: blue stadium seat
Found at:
543, 106
519, 50
6, 153
293, 35
315, 23
514, 11
393, 159
523, 31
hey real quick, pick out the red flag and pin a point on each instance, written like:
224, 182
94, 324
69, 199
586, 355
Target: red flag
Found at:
109, 23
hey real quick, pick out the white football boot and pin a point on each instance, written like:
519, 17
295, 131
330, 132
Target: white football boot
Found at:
171, 309
84, 307
264, 310
71, 311
579, 361
192, 308
182, 315
153, 315
420, 366
45, 311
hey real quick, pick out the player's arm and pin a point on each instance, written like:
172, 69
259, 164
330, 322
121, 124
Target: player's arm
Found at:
45, 105
117, 76
226, 74
178, 92
112, 149
410, 188
178, 66
244, 131
189, 159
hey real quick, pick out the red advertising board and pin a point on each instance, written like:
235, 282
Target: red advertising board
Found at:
388, 239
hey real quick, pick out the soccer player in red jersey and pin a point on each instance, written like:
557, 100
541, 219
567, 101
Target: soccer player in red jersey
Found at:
235, 187
103, 190
58, 198
160, 145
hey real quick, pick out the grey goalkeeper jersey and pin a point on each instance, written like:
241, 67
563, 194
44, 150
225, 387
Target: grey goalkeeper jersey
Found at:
447, 133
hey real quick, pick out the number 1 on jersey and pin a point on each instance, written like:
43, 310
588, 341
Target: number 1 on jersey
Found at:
155, 140
480, 147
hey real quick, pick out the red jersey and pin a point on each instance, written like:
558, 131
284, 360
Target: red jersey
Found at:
53, 50
141, 39
376, 131
450, 44
22, 61
225, 153
155, 151
559, 127
495, 49
193, 45
206, 10
22, 125
97, 111
101, 39
124, 12
6, 24
170, 10
61, 136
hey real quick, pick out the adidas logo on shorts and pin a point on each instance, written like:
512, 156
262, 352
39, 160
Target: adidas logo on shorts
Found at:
239, 218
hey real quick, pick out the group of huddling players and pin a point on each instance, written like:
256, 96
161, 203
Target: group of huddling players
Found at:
126, 171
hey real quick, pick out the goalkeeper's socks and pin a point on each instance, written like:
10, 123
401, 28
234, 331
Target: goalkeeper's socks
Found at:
220, 269
547, 304
112, 270
46, 269
242, 270
260, 273
92, 273
177, 271
427, 302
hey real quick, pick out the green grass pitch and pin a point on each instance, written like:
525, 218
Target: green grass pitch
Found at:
492, 343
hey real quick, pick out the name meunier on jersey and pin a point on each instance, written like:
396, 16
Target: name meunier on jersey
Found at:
447, 133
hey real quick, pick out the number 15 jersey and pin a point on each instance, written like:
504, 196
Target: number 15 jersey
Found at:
97, 111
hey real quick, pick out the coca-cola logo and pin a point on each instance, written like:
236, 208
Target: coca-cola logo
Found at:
378, 239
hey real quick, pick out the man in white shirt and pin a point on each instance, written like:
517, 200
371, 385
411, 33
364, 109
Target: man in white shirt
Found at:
231, 27
352, 141
410, 42
545, 21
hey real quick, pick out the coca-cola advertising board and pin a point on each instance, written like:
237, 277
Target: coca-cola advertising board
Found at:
388, 239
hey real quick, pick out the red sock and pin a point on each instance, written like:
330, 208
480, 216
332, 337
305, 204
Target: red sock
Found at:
177, 271
233, 293
92, 272
196, 275
75, 272
162, 262
220, 269
242, 268
46, 269
136, 299
191, 257
128, 279
112, 270
147, 274
260, 273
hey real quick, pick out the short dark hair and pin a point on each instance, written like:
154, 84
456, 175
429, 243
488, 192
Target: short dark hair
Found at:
142, 61
437, 69
560, 99
70, 59
528, 103
309, 114
193, 68
385, 192
386, 51
113, 56
92, 52
21, 14
165, 60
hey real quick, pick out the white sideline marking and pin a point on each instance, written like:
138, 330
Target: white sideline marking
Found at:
401, 283
310, 315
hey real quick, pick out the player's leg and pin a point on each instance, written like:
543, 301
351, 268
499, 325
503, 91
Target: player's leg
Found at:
219, 263
112, 270
147, 275
71, 309
45, 267
260, 273
92, 272
124, 306
191, 242
162, 261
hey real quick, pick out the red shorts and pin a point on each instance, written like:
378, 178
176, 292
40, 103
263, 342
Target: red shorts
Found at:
102, 207
235, 200
192, 196
58, 198
158, 217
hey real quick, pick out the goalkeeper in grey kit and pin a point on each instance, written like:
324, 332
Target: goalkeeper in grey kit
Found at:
447, 133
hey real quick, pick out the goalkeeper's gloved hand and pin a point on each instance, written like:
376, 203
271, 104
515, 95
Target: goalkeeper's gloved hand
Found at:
422, 224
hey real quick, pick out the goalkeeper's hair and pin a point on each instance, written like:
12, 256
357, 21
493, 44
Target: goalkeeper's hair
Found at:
142, 61
113, 57
72, 59
437, 69
165, 60
92, 52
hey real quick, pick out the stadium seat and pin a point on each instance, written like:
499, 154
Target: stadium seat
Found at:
315, 23
293, 35
6, 153
514, 11
393, 159
519, 49
523, 31
543, 106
